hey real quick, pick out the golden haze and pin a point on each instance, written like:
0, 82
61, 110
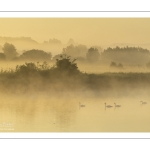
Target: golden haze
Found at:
98, 31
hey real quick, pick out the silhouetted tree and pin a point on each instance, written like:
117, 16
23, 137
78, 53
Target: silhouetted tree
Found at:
93, 55
129, 55
44, 66
2, 56
114, 65
9, 51
75, 51
36, 55
53, 41
100, 49
71, 42
26, 69
65, 64
56, 57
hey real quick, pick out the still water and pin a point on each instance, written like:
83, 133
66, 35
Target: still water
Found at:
45, 114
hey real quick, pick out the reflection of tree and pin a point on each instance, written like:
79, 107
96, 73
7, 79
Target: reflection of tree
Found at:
25, 114
65, 113
21, 112
64, 119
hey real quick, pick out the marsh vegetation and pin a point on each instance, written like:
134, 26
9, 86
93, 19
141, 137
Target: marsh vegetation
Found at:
60, 92
64, 78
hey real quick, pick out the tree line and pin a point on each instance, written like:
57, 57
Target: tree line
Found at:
112, 56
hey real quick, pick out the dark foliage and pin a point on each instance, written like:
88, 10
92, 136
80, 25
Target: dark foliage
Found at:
36, 55
65, 64
26, 69
93, 55
64, 76
2, 56
126, 55
115, 65
9, 51
75, 51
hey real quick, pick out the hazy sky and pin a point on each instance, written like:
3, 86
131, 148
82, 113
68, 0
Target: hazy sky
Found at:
90, 31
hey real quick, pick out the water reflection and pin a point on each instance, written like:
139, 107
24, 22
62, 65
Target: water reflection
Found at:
70, 115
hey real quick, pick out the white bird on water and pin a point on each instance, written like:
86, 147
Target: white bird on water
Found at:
81, 105
117, 105
108, 106
143, 102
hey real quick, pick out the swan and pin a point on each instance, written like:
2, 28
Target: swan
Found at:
117, 105
143, 102
81, 105
108, 106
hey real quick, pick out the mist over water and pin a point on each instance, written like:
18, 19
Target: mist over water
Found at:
41, 113
46, 106
59, 110
82, 83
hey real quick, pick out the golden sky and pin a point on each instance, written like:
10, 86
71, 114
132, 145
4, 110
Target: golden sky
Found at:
89, 31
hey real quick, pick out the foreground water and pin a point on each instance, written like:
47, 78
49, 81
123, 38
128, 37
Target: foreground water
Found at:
46, 114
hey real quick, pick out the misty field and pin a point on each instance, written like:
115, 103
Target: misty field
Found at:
69, 96
38, 98
65, 77
74, 75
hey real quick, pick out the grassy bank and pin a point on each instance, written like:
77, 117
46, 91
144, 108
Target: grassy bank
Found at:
30, 77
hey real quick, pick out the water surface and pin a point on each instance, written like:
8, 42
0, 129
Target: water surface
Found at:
46, 114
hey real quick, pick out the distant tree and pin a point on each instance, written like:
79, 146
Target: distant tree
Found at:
53, 41
114, 65
75, 51
65, 64
71, 42
2, 56
56, 57
26, 69
128, 55
44, 66
36, 55
100, 49
9, 51
93, 55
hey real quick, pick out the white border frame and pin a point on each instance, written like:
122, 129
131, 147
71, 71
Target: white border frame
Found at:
71, 14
